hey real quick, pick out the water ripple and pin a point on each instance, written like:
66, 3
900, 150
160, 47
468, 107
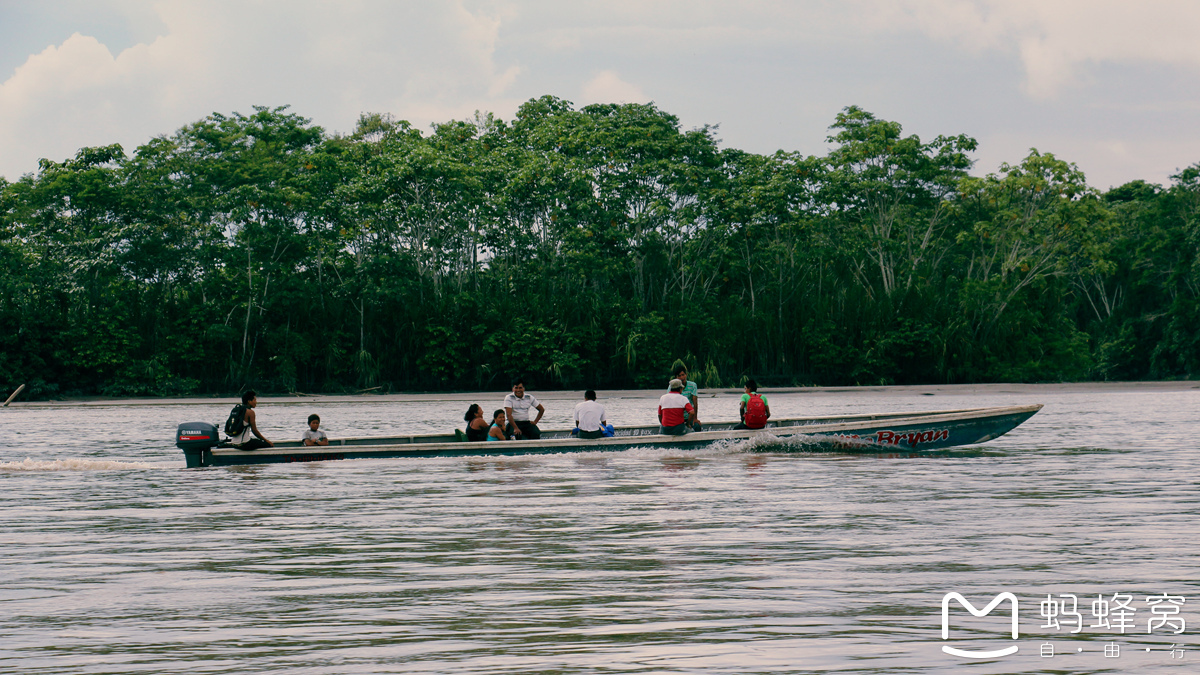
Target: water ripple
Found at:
732, 559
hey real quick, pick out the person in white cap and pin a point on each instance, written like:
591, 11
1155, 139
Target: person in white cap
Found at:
674, 410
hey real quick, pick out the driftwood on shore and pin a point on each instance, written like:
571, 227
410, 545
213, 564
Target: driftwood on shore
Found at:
14, 395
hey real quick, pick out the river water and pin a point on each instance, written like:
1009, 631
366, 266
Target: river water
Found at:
732, 559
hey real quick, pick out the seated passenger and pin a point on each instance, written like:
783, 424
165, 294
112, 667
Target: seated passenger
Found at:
690, 393
477, 427
590, 417
314, 435
674, 411
496, 432
517, 406
754, 408
249, 437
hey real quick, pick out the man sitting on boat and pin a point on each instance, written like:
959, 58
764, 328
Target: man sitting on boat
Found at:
755, 410
590, 417
249, 437
674, 411
690, 392
516, 407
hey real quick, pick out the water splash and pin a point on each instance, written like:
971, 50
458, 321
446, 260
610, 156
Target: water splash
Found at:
73, 464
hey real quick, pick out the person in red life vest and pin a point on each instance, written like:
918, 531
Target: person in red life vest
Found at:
674, 411
754, 409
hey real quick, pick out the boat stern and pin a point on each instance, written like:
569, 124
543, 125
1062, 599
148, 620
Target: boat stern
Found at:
196, 439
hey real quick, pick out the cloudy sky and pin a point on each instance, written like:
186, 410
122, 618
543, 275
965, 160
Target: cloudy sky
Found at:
1111, 85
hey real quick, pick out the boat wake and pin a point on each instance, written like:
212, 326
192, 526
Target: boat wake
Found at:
760, 443
73, 464
764, 442
768, 442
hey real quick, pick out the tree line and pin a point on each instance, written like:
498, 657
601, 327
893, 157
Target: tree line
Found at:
588, 246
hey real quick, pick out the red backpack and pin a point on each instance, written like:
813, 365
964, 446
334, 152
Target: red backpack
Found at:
756, 412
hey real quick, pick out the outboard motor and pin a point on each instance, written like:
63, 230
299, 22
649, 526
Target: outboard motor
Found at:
194, 438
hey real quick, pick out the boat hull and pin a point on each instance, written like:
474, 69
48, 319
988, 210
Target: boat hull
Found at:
901, 432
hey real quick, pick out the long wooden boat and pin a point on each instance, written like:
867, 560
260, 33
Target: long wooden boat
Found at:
895, 432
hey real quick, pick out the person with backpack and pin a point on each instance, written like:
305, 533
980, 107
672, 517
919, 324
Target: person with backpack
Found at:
242, 427
754, 408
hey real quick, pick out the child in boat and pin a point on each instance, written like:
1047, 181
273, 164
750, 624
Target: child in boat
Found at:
314, 435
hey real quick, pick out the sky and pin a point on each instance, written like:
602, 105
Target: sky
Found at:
1111, 85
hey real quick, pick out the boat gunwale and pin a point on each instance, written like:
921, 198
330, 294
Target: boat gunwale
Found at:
414, 439
613, 442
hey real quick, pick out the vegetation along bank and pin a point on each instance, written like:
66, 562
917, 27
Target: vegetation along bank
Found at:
580, 247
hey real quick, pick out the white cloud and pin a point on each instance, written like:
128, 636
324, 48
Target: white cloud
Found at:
332, 61
608, 87
1056, 39
772, 73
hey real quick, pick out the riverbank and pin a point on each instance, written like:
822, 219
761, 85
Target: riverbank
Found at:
882, 391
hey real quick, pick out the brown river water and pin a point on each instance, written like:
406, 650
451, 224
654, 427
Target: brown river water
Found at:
738, 558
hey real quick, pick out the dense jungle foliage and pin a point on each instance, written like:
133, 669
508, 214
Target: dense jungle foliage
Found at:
580, 247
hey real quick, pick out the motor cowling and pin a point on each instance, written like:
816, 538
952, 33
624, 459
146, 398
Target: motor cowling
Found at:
197, 436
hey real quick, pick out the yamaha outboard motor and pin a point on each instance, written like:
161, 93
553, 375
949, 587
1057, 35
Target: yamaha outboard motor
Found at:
194, 438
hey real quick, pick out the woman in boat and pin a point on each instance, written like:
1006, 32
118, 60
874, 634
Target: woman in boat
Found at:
496, 432
477, 427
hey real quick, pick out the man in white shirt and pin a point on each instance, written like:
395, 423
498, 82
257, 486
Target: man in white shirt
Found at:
590, 416
516, 411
